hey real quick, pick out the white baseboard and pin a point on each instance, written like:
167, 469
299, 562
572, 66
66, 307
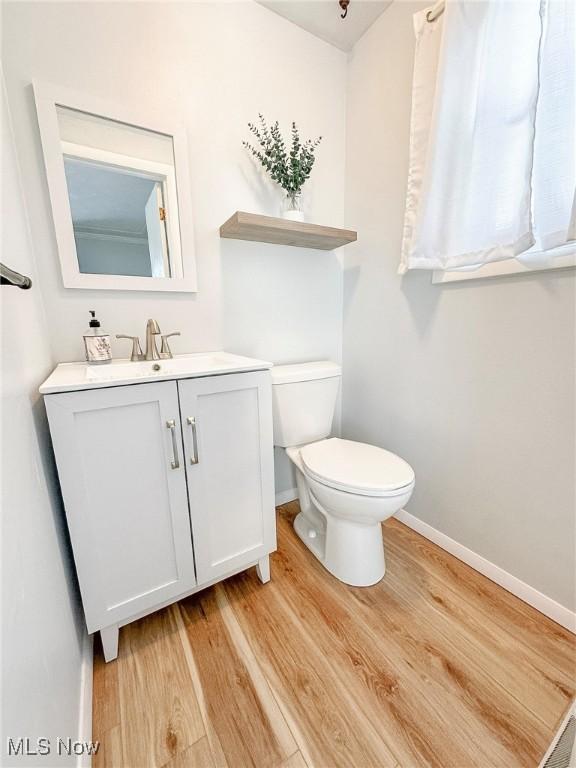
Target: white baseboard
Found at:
283, 497
85, 706
525, 592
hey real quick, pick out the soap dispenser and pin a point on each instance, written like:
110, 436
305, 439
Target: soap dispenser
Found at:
97, 343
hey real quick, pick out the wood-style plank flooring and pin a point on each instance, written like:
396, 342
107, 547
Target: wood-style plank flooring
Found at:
434, 666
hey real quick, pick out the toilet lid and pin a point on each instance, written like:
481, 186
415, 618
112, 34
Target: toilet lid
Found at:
356, 467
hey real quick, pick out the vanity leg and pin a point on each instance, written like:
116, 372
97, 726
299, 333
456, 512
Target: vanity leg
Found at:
109, 637
263, 569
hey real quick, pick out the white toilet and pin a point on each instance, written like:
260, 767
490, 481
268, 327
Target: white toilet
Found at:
346, 489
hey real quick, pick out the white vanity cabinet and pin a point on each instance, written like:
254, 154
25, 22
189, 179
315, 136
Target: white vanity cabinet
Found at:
126, 506
230, 470
168, 487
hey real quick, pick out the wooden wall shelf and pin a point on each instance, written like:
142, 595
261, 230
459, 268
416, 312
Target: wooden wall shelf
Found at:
269, 229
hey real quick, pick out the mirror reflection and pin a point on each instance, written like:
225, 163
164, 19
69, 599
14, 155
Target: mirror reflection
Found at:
122, 192
119, 220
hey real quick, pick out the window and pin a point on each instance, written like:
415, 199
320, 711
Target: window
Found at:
557, 258
493, 142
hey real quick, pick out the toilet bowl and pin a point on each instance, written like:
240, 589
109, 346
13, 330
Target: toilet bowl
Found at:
346, 489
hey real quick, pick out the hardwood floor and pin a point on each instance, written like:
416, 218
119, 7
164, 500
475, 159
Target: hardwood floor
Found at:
434, 666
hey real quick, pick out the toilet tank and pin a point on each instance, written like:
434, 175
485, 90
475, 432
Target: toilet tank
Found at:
304, 398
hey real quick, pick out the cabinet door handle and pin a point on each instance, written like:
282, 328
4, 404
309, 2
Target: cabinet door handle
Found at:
175, 463
194, 458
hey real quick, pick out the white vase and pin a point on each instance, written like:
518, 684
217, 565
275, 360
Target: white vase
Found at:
292, 215
293, 208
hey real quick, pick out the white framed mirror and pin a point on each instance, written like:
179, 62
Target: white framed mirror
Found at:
120, 194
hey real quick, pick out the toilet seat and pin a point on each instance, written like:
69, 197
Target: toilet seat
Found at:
356, 468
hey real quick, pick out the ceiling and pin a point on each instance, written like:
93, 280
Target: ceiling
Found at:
322, 18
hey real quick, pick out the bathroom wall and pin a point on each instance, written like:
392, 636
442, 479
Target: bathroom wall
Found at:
42, 627
473, 383
212, 67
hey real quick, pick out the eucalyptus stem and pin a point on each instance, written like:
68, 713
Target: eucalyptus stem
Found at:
290, 168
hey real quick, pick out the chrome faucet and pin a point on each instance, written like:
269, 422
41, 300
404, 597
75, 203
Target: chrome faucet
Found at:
152, 330
165, 351
137, 353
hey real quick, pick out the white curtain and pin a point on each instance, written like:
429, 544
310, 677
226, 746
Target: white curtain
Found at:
492, 143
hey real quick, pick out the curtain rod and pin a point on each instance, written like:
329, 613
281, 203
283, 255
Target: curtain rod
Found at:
436, 11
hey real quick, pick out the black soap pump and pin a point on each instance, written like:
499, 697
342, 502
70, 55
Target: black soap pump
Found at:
97, 343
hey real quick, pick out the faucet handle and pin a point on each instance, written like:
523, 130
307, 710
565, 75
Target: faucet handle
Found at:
137, 353
165, 351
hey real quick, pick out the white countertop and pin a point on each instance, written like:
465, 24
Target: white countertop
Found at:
68, 377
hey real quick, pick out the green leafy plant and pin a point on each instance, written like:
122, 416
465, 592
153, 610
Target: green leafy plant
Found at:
290, 168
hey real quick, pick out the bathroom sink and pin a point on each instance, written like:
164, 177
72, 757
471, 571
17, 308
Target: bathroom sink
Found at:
68, 377
122, 369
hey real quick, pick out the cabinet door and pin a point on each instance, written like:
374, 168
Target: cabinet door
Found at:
121, 469
227, 427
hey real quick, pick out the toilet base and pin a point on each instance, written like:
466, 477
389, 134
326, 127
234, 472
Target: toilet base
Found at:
352, 553
314, 539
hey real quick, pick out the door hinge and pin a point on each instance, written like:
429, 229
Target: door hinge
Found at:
162, 212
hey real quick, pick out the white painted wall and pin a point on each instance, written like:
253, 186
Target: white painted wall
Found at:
473, 383
42, 627
213, 67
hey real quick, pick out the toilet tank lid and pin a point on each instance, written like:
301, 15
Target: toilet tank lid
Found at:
290, 374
